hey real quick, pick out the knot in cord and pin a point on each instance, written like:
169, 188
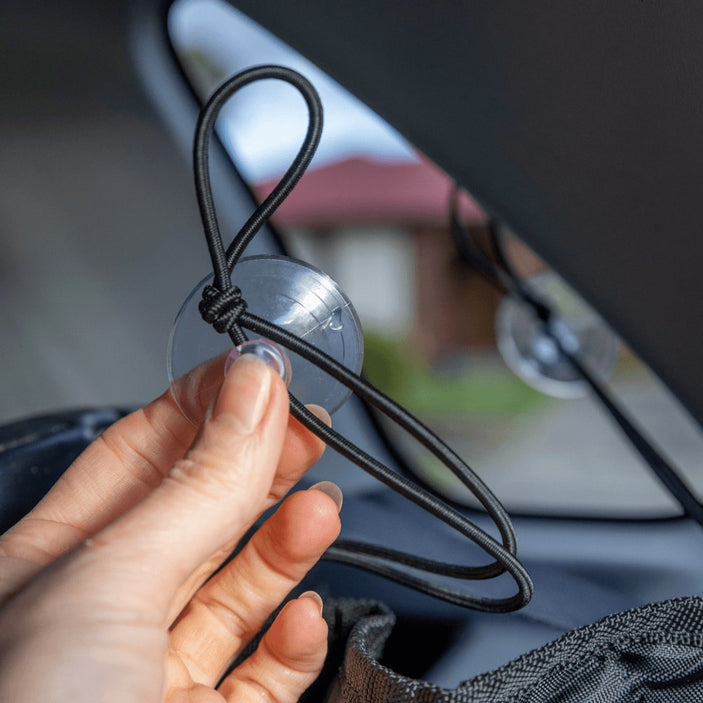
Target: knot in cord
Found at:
222, 308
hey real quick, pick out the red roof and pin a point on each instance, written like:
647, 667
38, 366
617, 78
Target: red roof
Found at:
364, 191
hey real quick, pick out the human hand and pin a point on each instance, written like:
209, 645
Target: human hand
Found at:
104, 590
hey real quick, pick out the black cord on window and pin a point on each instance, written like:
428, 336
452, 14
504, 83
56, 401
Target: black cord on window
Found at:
224, 307
502, 275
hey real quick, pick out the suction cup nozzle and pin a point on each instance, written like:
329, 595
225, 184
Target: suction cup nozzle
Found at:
293, 295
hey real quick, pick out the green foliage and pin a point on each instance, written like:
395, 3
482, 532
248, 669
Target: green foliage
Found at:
476, 387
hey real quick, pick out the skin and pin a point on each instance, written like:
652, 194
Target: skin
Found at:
107, 590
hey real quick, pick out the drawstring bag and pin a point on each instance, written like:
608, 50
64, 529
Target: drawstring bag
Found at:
652, 654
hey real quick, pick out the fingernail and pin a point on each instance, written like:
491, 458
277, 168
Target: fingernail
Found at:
320, 413
268, 352
330, 489
245, 393
314, 596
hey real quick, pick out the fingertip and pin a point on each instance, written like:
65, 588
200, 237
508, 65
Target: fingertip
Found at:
288, 659
315, 597
250, 389
270, 353
320, 413
299, 632
330, 489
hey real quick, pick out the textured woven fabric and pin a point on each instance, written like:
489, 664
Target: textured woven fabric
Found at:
652, 654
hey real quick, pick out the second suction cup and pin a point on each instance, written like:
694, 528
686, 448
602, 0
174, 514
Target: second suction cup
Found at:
533, 354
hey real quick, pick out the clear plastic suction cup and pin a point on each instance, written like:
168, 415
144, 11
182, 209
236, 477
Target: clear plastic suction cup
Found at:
535, 357
291, 294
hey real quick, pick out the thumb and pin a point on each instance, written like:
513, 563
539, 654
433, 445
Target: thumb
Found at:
208, 499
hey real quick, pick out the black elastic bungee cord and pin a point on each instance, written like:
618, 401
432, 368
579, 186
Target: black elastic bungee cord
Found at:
222, 302
499, 273
224, 308
502, 275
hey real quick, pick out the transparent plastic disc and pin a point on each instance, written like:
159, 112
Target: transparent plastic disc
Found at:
293, 295
535, 357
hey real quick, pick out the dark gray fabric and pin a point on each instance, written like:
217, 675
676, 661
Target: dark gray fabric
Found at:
652, 654
35, 451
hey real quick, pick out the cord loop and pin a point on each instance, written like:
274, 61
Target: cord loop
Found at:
223, 307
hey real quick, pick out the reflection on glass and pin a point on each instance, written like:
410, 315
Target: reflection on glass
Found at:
372, 213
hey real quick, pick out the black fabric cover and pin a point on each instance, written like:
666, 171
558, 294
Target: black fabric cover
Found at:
652, 654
